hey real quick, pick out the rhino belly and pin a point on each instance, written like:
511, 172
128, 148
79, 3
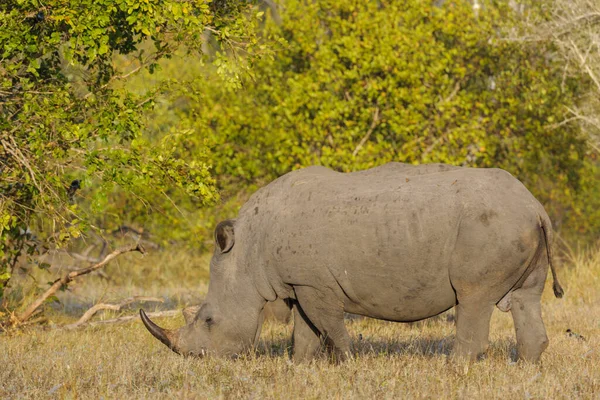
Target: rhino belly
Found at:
403, 295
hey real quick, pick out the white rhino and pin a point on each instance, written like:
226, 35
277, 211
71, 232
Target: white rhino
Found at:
396, 242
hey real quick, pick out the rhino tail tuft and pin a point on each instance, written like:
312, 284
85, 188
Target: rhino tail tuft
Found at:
547, 229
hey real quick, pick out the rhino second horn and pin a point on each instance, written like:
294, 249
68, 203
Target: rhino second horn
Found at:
164, 335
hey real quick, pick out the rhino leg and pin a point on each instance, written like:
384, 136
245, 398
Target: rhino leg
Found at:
472, 328
527, 315
306, 340
278, 310
326, 313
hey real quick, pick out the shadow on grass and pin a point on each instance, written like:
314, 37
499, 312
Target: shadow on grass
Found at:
417, 346
421, 347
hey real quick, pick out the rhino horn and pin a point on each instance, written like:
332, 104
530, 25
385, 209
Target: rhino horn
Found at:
166, 336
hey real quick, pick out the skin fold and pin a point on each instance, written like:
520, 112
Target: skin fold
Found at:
397, 242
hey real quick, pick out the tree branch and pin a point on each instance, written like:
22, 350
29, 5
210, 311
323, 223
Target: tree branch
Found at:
584, 63
72, 275
157, 314
115, 307
21, 159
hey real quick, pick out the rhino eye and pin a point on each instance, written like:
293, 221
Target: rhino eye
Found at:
209, 321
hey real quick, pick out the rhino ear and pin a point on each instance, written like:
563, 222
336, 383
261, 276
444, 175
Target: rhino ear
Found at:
224, 235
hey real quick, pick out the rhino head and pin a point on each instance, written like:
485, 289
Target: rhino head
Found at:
230, 319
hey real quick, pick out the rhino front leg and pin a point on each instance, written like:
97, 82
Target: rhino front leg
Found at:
326, 313
306, 340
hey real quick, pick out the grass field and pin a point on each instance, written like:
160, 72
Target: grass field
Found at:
393, 360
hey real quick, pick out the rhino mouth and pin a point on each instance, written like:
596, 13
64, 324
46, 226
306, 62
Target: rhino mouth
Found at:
175, 341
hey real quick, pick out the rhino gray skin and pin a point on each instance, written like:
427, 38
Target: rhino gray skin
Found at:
277, 310
397, 242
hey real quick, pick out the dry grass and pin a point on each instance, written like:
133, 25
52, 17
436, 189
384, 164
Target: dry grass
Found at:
393, 360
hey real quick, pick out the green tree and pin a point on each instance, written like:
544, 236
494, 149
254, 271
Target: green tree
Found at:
364, 83
572, 26
68, 125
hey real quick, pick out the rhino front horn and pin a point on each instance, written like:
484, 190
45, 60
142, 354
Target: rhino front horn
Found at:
164, 335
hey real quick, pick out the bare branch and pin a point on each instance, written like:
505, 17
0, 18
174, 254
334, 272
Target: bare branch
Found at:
158, 314
587, 120
574, 28
72, 275
584, 63
18, 155
98, 272
575, 22
115, 307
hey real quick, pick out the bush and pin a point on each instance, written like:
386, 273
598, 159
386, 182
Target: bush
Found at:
66, 124
361, 84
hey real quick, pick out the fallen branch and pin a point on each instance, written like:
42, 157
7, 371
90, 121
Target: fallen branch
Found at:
35, 321
157, 314
66, 279
115, 307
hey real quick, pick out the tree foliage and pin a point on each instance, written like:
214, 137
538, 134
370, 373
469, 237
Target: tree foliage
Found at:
149, 112
573, 27
69, 126
361, 84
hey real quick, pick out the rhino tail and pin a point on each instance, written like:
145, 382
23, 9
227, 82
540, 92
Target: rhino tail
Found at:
547, 229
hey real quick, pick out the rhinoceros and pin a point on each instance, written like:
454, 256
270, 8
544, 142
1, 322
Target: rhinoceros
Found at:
397, 242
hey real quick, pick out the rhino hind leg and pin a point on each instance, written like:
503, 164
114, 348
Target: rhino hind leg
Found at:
326, 313
526, 311
472, 329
